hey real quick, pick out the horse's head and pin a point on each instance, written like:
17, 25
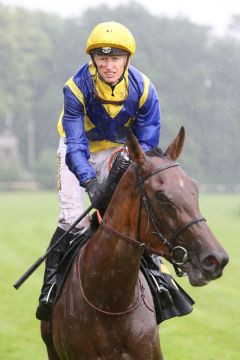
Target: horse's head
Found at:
169, 216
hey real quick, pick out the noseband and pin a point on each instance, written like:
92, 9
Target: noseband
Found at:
151, 213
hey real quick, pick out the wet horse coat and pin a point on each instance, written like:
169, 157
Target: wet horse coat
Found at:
106, 311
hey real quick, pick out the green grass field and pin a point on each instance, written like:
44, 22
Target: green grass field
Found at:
211, 332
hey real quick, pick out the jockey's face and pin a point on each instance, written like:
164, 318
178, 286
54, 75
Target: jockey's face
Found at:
110, 68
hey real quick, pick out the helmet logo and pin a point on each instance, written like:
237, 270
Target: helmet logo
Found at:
106, 50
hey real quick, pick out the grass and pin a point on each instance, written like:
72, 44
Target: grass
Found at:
27, 222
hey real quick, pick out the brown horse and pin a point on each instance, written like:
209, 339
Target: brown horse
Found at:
105, 311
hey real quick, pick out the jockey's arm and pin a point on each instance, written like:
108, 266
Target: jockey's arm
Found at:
147, 125
77, 143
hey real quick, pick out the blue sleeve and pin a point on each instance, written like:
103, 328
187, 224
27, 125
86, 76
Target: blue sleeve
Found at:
148, 122
77, 143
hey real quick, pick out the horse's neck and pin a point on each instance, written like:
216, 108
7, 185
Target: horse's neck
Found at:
110, 265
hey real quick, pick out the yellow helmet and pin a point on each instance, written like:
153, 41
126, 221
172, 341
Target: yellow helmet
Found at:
111, 35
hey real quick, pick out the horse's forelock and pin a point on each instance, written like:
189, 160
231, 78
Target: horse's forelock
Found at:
155, 152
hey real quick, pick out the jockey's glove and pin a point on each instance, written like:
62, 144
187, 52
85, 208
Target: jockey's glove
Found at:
95, 193
101, 194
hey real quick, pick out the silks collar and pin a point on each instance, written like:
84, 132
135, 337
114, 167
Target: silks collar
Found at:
107, 94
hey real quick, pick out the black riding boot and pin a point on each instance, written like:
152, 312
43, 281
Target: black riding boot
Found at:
48, 291
169, 298
158, 279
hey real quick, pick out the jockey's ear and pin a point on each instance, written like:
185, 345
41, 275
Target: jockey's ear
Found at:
136, 153
175, 148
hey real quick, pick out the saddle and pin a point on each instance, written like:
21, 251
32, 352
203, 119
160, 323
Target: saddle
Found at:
170, 300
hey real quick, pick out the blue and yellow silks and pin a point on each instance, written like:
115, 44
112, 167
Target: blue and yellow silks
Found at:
90, 126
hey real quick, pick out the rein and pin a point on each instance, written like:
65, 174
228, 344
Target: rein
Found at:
127, 238
145, 201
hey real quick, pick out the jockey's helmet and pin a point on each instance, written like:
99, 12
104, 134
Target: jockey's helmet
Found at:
111, 38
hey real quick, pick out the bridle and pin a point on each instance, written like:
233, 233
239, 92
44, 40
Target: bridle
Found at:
152, 215
146, 203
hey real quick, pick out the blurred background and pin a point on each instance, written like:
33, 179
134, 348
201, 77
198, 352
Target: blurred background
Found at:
194, 67
191, 52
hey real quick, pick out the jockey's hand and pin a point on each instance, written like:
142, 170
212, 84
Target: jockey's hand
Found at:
93, 188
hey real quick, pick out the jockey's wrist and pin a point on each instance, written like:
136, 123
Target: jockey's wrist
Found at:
88, 183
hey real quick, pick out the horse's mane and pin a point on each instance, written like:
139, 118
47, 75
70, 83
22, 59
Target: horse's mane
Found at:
112, 181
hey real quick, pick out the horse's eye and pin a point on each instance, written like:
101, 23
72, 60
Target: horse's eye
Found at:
162, 198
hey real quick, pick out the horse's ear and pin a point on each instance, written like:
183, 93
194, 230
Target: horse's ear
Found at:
175, 148
135, 151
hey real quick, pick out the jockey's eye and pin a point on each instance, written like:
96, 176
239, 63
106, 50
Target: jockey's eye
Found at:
162, 199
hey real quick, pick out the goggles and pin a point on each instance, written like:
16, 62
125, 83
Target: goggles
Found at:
109, 51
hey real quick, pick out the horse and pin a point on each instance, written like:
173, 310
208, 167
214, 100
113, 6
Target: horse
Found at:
106, 310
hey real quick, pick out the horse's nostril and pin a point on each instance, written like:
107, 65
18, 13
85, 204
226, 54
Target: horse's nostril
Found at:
211, 262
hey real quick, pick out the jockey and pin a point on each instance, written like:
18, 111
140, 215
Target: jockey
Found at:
105, 98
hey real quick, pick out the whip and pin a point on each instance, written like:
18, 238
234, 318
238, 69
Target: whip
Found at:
39, 261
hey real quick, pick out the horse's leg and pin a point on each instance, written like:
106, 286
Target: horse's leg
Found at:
46, 332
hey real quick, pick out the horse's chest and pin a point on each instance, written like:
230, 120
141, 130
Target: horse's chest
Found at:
83, 333
112, 339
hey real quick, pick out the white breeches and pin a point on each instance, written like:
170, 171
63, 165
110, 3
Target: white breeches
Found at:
71, 194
